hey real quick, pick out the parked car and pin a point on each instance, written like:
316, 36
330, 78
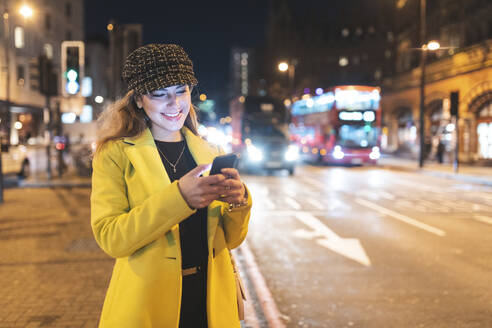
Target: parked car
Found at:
15, 160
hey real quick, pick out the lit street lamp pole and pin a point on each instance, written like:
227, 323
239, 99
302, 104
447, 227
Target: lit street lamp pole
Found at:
290, 68
423, 60
6, 33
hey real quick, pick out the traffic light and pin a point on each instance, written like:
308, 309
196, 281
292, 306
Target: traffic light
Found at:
454, 100
72, 66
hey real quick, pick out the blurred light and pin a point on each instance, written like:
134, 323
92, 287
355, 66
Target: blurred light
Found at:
305, 96
292, 153
305, 149
287, 102
26, 11
319, 91
202, 130
369, 116
310, 103
68, 118
110, 27
343, 61
314, 150
247, 141
99, 99
72, 75
307, 91
363, 143
86, 86
283, 66
450, 127
203, 97
433, 45
350, 116
60, 146
338, 153
323, 152
18, 125
93, 146
72, 87
228, 119
242, 99
254, 154
86, 115
375, 154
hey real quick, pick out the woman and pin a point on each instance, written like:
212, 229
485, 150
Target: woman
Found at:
155, 209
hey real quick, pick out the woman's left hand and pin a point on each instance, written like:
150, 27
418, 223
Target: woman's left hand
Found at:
233, 189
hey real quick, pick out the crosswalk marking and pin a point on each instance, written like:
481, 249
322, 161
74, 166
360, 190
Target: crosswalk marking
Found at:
293, 203
315, 204
483, 218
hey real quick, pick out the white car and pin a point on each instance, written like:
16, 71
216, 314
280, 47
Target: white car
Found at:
15, 160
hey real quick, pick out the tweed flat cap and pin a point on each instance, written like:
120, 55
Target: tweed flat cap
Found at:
156, 66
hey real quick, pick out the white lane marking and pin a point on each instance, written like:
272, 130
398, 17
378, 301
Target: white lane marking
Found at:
348, 247
483, 218
293, 203
386, 195
401, 217
315, 203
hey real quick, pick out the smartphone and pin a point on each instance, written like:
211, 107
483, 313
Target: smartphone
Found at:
220, 162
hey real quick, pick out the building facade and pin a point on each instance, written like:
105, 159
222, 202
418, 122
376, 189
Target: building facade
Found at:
123, 39
332, 43
27, 33
463, 65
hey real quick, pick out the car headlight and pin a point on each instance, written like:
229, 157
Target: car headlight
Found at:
292, 153
375, 154
254, 154
338, 153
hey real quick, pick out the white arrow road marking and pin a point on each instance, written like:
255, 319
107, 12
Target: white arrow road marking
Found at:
400, 217
483, 218
348, 247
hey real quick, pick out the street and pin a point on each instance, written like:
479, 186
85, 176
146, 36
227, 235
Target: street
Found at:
367, 247
337, 247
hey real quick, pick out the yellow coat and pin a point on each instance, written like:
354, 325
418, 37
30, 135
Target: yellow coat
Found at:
135, 216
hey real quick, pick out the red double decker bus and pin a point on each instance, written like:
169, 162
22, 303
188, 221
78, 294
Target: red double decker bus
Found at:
339, 126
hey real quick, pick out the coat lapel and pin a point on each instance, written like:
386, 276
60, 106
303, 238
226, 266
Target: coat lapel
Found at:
144, 156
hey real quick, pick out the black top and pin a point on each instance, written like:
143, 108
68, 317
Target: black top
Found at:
192, 230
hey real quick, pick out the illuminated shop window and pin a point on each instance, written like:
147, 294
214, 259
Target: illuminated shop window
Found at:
19, 39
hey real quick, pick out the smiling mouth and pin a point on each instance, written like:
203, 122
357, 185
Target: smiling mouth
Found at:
172, 114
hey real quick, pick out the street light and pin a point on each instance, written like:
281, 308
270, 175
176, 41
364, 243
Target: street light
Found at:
26, 11
289, 67
430, 46
283, 66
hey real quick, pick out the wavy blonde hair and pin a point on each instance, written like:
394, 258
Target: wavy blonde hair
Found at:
124, 119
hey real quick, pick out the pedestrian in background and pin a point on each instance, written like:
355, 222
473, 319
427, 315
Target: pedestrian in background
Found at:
169, 225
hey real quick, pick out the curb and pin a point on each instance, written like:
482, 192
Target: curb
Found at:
54, 184
451, 176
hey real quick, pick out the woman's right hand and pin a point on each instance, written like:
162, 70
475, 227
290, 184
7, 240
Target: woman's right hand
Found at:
197, 191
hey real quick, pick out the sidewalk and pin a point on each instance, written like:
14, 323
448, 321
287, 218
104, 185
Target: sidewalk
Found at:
466, 173
69, 179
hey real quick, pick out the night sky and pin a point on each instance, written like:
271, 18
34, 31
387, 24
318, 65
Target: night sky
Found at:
206, 29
